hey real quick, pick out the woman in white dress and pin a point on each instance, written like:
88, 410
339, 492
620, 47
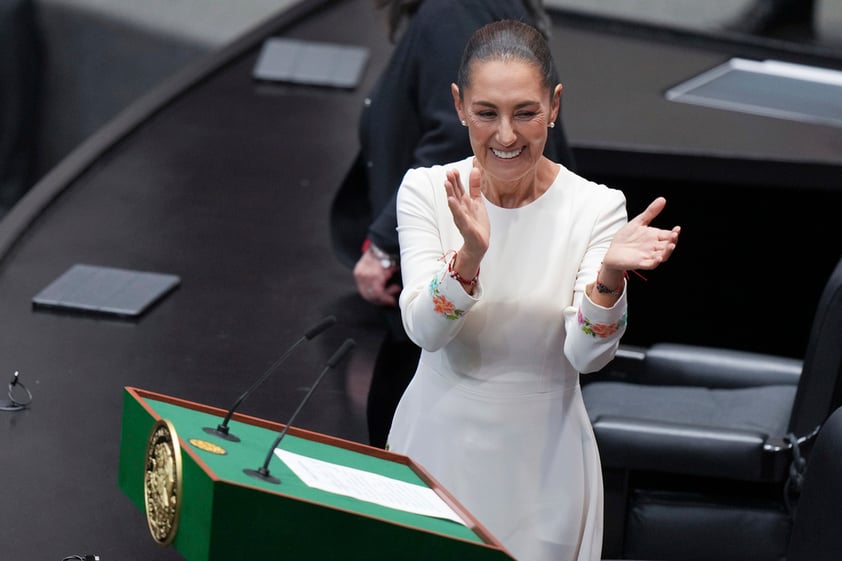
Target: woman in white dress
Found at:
514, 283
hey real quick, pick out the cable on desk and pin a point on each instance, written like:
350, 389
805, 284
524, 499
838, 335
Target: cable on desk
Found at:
19, 398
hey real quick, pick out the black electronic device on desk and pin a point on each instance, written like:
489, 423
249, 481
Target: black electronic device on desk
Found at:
314, 63
105, 290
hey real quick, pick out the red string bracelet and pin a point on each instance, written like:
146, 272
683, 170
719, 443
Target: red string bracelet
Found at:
638, 275
455, 274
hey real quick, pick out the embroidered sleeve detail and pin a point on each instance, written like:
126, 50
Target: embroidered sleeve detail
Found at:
441, 304
601, 330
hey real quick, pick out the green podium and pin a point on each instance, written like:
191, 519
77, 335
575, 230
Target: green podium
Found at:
198, 498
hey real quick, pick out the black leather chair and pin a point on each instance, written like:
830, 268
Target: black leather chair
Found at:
703, 444
815, 533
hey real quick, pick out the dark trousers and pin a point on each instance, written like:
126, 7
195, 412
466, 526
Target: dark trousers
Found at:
394, 367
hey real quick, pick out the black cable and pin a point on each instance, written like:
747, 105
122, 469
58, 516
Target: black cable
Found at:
19, 398
797, 469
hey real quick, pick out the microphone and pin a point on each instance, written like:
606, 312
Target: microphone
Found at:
221, 430
263, 471
19, 399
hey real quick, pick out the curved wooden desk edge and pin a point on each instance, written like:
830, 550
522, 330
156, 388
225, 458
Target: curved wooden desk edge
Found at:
57, 180
638, 162
717, 39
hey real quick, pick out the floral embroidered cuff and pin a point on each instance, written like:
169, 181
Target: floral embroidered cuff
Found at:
601, 330
449, 298
441, 304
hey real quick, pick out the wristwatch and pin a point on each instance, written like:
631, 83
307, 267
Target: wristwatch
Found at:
386, 260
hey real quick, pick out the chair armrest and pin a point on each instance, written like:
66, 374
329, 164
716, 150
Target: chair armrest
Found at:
637, 444
692, 365
627, 366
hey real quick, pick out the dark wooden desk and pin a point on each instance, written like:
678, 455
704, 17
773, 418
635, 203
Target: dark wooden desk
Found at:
227, 183
757, 197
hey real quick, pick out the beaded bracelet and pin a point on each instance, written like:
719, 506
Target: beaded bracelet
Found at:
455, 274
603, 289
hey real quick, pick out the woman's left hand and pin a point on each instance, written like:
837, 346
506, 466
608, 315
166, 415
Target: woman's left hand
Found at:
637, 245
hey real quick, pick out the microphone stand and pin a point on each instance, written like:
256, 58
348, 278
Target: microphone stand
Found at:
263, 471
221, 429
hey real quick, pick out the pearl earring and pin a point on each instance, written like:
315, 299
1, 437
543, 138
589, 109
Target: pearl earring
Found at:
552, 125
464, 124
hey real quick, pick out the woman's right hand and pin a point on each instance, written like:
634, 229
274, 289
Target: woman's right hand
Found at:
471, 218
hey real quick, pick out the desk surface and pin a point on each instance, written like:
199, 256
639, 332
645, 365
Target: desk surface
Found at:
614, 86
227, 183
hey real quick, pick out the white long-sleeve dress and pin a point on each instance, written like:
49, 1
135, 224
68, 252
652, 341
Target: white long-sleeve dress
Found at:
495, 411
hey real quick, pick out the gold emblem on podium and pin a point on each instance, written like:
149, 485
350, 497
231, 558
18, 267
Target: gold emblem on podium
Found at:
208, 446
162, 482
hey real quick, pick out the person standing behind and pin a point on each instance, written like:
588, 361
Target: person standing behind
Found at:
514, 283
408, 121
767, 17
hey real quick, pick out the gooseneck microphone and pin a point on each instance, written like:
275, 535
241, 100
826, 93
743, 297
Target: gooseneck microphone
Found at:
263, 471
221, 430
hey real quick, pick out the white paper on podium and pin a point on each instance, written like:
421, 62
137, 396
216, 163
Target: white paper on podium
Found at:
367, 486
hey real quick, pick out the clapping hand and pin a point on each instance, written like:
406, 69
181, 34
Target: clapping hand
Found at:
637, 245
469, 214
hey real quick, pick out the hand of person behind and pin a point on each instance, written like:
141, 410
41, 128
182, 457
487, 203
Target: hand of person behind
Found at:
373, 281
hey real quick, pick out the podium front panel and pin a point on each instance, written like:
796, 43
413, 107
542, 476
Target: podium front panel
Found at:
225, 512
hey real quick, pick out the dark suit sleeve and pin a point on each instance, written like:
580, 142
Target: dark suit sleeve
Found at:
442, 41
436, 49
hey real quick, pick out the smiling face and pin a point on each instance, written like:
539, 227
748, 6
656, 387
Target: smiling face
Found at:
507, 109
